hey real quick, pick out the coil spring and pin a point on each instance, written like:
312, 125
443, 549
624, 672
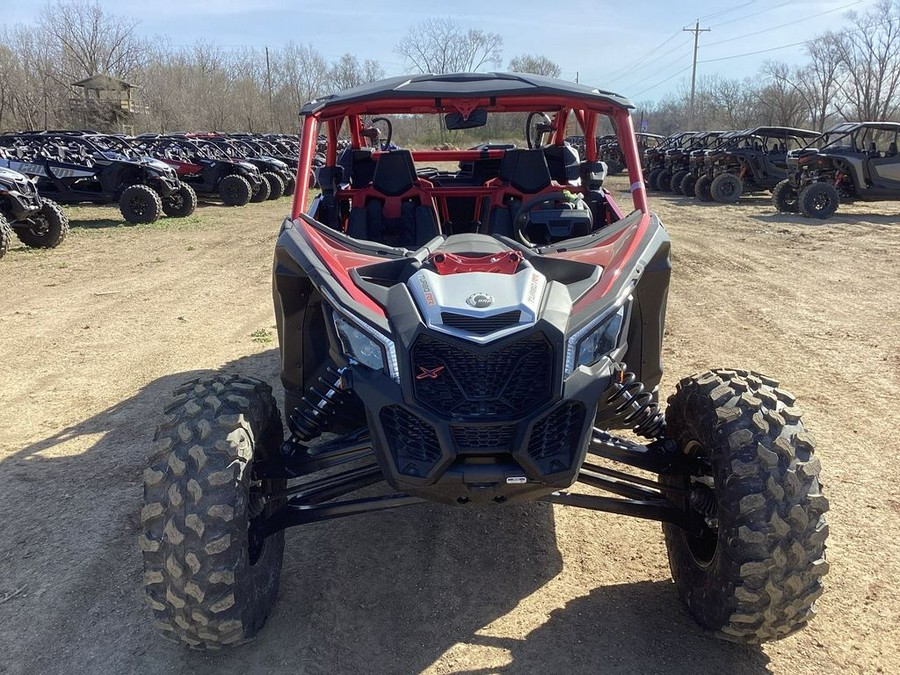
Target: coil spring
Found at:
703, 500
637, 408
310, 418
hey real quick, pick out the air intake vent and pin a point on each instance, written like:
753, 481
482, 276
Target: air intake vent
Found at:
481, 325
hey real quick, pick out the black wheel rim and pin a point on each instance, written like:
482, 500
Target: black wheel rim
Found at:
138, 204
704, 543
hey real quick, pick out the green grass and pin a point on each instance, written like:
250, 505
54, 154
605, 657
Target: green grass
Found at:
262, 336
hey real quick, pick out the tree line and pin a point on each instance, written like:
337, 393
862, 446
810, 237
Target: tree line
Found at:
851, 73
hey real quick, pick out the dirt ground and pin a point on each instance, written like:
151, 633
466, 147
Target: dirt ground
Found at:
94, 335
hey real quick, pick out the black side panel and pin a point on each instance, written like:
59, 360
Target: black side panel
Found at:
648, 312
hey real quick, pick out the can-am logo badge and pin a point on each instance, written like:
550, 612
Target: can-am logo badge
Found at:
480, 300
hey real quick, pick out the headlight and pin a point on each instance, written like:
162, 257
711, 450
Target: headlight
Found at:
372, 350
595, 341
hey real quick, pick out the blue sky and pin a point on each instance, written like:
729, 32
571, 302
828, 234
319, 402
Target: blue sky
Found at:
609, 44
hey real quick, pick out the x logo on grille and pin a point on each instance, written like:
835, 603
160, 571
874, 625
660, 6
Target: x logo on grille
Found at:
429, 373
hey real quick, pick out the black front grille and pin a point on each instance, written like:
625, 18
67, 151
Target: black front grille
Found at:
555, 438
509, 381
481, 325
412, 441
487, 439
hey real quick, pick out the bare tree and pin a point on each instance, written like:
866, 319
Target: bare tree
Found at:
869, 55
93, 42
347, 72
534, 64
784, 100
444, 46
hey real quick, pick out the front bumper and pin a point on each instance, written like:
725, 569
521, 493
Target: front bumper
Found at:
458, 446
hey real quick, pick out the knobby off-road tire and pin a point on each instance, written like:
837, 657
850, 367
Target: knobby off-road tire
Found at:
650, 180
687, 185
207, 582
140, 204
675, 183
663, 180
181, 203
5, 236
262, 192
756, 574
726, 188
235, 190
276, 185
47, 229
784, 197
819, 200
702, 189
290, 184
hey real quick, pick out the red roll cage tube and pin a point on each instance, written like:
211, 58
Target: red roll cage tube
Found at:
612, 253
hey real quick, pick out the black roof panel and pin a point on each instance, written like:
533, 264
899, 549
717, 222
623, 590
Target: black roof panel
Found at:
462, 85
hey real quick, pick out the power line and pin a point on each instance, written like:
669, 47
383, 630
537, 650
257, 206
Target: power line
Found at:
789, 23
752, 15
631, 71
636, 65
726, 11
661, 82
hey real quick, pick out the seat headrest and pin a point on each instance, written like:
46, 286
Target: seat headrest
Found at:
563, 162
395, 173
525, 170
359, 166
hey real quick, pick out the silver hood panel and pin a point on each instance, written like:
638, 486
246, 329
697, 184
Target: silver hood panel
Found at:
478, 295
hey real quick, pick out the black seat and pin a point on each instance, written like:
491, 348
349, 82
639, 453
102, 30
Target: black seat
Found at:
395, 173
359, 166
525, 170
563, 162
522, 173
397, 209
892, 149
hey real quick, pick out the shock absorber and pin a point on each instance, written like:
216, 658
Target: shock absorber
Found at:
635, 406
310, 417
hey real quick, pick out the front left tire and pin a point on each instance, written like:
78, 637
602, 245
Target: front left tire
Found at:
208, 579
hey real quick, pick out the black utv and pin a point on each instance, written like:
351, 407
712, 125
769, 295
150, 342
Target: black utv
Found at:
208, 170
654, 159
851, 161
695, 180
274, 172
676, 161
37, 222
756, 162
73, 169
612, 154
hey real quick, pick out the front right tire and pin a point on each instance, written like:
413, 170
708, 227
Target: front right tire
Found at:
752, 571
48, 228
209, 581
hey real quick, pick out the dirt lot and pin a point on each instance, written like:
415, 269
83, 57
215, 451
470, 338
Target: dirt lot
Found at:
94, 335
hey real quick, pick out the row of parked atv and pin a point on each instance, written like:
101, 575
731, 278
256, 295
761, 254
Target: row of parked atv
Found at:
807, 172
148, 176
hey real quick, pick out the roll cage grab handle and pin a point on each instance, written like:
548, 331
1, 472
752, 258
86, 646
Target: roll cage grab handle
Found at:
587, 119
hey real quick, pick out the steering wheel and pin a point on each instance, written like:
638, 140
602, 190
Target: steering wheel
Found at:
386, 143
534, 133
528, 207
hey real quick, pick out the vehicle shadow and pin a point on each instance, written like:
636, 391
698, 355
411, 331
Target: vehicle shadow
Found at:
380, 593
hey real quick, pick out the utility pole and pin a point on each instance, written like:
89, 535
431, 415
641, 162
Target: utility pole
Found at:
696, 30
